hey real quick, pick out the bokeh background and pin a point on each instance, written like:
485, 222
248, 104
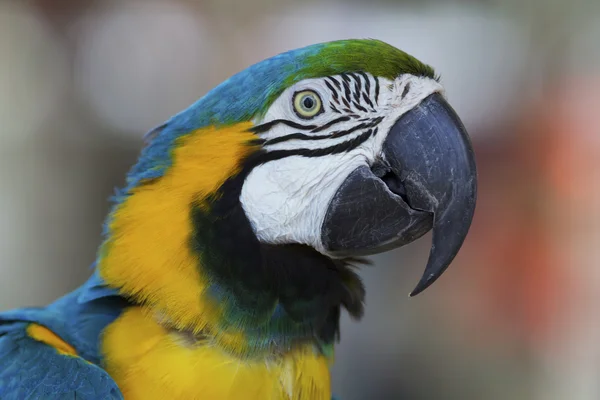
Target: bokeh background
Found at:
517, 316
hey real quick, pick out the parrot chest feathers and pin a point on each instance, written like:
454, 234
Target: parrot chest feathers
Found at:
149, 361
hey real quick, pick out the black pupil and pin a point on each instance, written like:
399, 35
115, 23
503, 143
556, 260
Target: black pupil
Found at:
308, 102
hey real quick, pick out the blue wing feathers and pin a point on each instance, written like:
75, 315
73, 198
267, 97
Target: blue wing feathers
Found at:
77, 323
30, 369
33, 370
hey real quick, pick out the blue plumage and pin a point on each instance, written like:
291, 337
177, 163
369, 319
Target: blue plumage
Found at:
31, 369
237, 99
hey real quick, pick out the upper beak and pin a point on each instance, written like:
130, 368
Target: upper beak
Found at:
427, 179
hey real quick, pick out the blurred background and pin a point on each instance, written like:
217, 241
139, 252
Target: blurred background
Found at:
517, 316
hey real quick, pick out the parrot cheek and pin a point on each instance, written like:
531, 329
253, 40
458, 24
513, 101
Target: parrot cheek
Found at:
426, 180
286, 200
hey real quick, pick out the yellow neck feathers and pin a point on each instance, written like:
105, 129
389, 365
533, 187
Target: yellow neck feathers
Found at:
147, 255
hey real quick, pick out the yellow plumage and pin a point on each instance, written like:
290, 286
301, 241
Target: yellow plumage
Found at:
46, 336
149, 362
148, 255
149, 259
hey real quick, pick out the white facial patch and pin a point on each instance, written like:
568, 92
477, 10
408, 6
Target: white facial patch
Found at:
286, 199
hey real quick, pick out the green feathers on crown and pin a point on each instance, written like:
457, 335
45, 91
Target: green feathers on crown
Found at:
352, 55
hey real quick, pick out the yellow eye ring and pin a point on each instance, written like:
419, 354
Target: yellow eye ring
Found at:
307, 104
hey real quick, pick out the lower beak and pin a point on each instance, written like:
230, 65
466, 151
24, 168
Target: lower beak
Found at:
427, 179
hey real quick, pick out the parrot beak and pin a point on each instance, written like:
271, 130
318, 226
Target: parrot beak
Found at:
427, 179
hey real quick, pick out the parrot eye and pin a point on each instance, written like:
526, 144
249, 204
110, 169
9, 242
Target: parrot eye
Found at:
307, 104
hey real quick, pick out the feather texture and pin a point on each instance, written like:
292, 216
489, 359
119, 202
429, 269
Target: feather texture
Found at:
151, 362
33, 369
185, 302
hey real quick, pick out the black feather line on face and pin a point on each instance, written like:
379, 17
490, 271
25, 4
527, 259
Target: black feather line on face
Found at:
342, 147
368, 124
367, 82
357, 87
347, 90
334, 81
368, 101
358, 106
347, 104
302, 136
405, 91
334, 92
331, 123
262, 128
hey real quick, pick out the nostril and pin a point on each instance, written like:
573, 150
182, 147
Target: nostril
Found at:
380, 168
395, 185
383, 171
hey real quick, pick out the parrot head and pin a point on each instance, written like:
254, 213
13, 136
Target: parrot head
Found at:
262, 194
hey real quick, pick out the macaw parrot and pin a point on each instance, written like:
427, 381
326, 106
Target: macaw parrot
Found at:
230, 253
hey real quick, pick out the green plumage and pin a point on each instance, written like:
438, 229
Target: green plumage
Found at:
353, 55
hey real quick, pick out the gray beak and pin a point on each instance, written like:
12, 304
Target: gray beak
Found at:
427, 179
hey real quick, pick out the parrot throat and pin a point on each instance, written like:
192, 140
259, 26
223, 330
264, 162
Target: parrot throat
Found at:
181, 248
282, 294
